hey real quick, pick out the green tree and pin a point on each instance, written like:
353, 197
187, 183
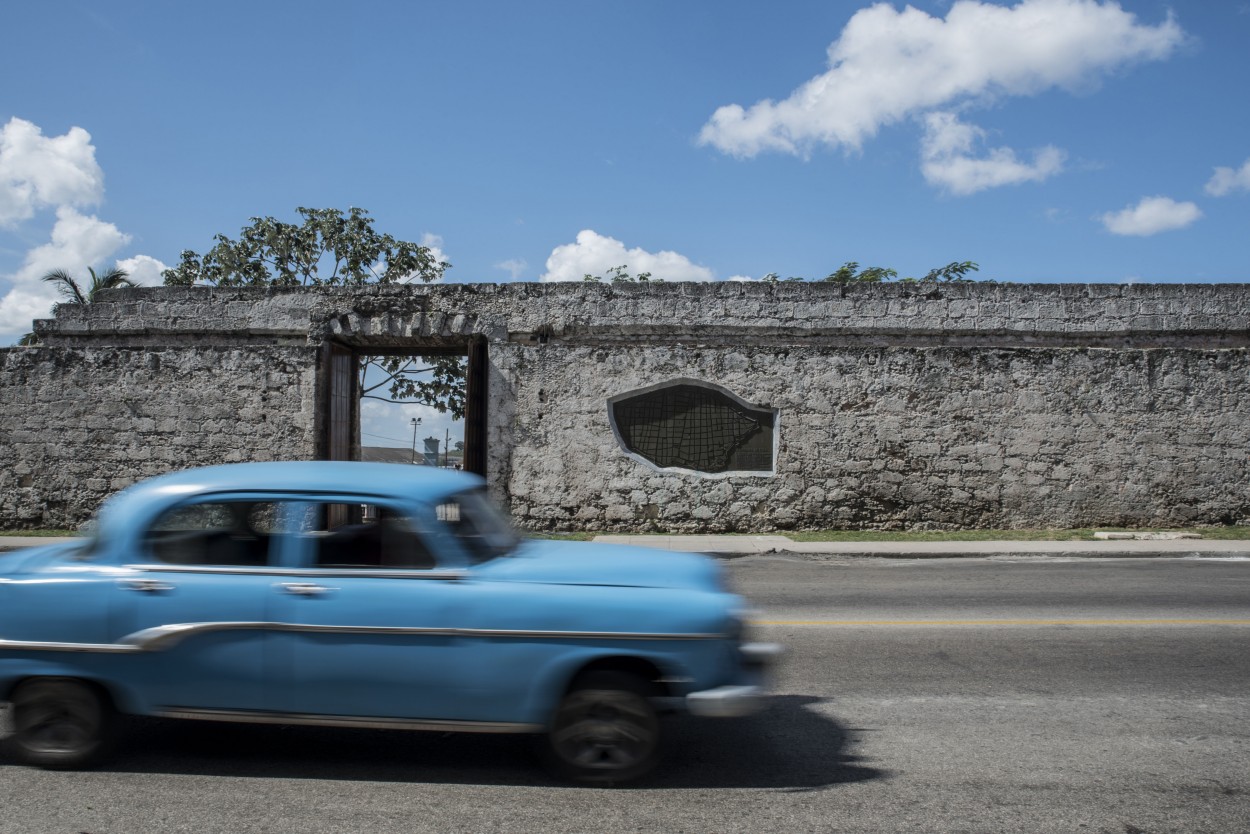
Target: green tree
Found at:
955, 272
330, 248
436, 381
73, 292
850, 273
617, 275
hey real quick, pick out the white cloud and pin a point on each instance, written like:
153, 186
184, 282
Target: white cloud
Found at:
430, 241
888, 64
20, 307
435, 244
1150, 216
144, 270
1227, 180
515, 267
78, 241
947, 148
384, 423
595, 254
38, 171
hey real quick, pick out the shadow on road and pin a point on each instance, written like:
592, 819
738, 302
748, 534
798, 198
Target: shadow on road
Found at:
788, 746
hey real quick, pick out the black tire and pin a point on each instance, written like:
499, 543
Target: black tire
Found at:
59, 723
605, 730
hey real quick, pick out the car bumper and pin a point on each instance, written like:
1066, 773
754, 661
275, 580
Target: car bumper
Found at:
741, 698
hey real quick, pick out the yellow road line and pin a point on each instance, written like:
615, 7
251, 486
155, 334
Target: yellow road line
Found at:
1012, 622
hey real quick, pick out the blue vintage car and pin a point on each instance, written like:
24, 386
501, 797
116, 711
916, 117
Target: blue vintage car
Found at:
362, 595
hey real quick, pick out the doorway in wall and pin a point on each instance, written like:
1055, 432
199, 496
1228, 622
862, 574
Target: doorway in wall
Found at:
420, 405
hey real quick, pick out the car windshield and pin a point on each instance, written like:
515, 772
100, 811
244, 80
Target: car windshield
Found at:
483, 530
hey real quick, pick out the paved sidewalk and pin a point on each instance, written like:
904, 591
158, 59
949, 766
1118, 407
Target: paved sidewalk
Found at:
746, 545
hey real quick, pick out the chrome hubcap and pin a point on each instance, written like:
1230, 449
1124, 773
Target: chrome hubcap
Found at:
605, 730
50, 720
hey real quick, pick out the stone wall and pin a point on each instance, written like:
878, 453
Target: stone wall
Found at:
900, 437
77, 424
896, 314
898, 405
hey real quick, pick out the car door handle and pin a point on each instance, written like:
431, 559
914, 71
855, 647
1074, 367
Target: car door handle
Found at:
304, 589
147, 586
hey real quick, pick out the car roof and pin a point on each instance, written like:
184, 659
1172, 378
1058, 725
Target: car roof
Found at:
420, 483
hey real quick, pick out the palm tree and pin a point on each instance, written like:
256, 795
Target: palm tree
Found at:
108, 280
68, 287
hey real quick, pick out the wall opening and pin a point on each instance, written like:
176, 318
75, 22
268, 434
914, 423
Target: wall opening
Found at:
421, 406
695, 426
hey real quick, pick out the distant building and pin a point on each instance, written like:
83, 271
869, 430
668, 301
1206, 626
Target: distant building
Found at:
386, 454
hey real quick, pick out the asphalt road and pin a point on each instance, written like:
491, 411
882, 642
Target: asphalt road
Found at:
931, 696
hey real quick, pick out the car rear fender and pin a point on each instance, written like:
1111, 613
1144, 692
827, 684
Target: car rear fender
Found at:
123, 699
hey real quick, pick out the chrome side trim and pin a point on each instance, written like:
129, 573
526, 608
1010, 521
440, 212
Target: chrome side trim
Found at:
337, 573
166, 636
147, 586
162, 637
445, 726
585, 635
40, 646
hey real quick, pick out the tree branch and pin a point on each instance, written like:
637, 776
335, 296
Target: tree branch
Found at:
398, 402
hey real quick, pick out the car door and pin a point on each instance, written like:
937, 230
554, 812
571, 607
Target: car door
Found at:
197, 596
369, 623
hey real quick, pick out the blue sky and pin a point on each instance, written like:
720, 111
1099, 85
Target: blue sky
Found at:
1048, 140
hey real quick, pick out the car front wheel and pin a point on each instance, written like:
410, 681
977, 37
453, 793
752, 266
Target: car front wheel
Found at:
58, 723
605, 729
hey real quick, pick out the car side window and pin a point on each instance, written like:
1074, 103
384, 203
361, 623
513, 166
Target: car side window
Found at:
365, 536
219, 533
478, 525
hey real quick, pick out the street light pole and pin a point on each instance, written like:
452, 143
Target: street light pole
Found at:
416, 421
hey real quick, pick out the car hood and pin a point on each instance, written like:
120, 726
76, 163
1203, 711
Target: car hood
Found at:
588, 563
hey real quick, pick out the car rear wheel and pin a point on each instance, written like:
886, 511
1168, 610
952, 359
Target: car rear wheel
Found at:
605, 729
59, 723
